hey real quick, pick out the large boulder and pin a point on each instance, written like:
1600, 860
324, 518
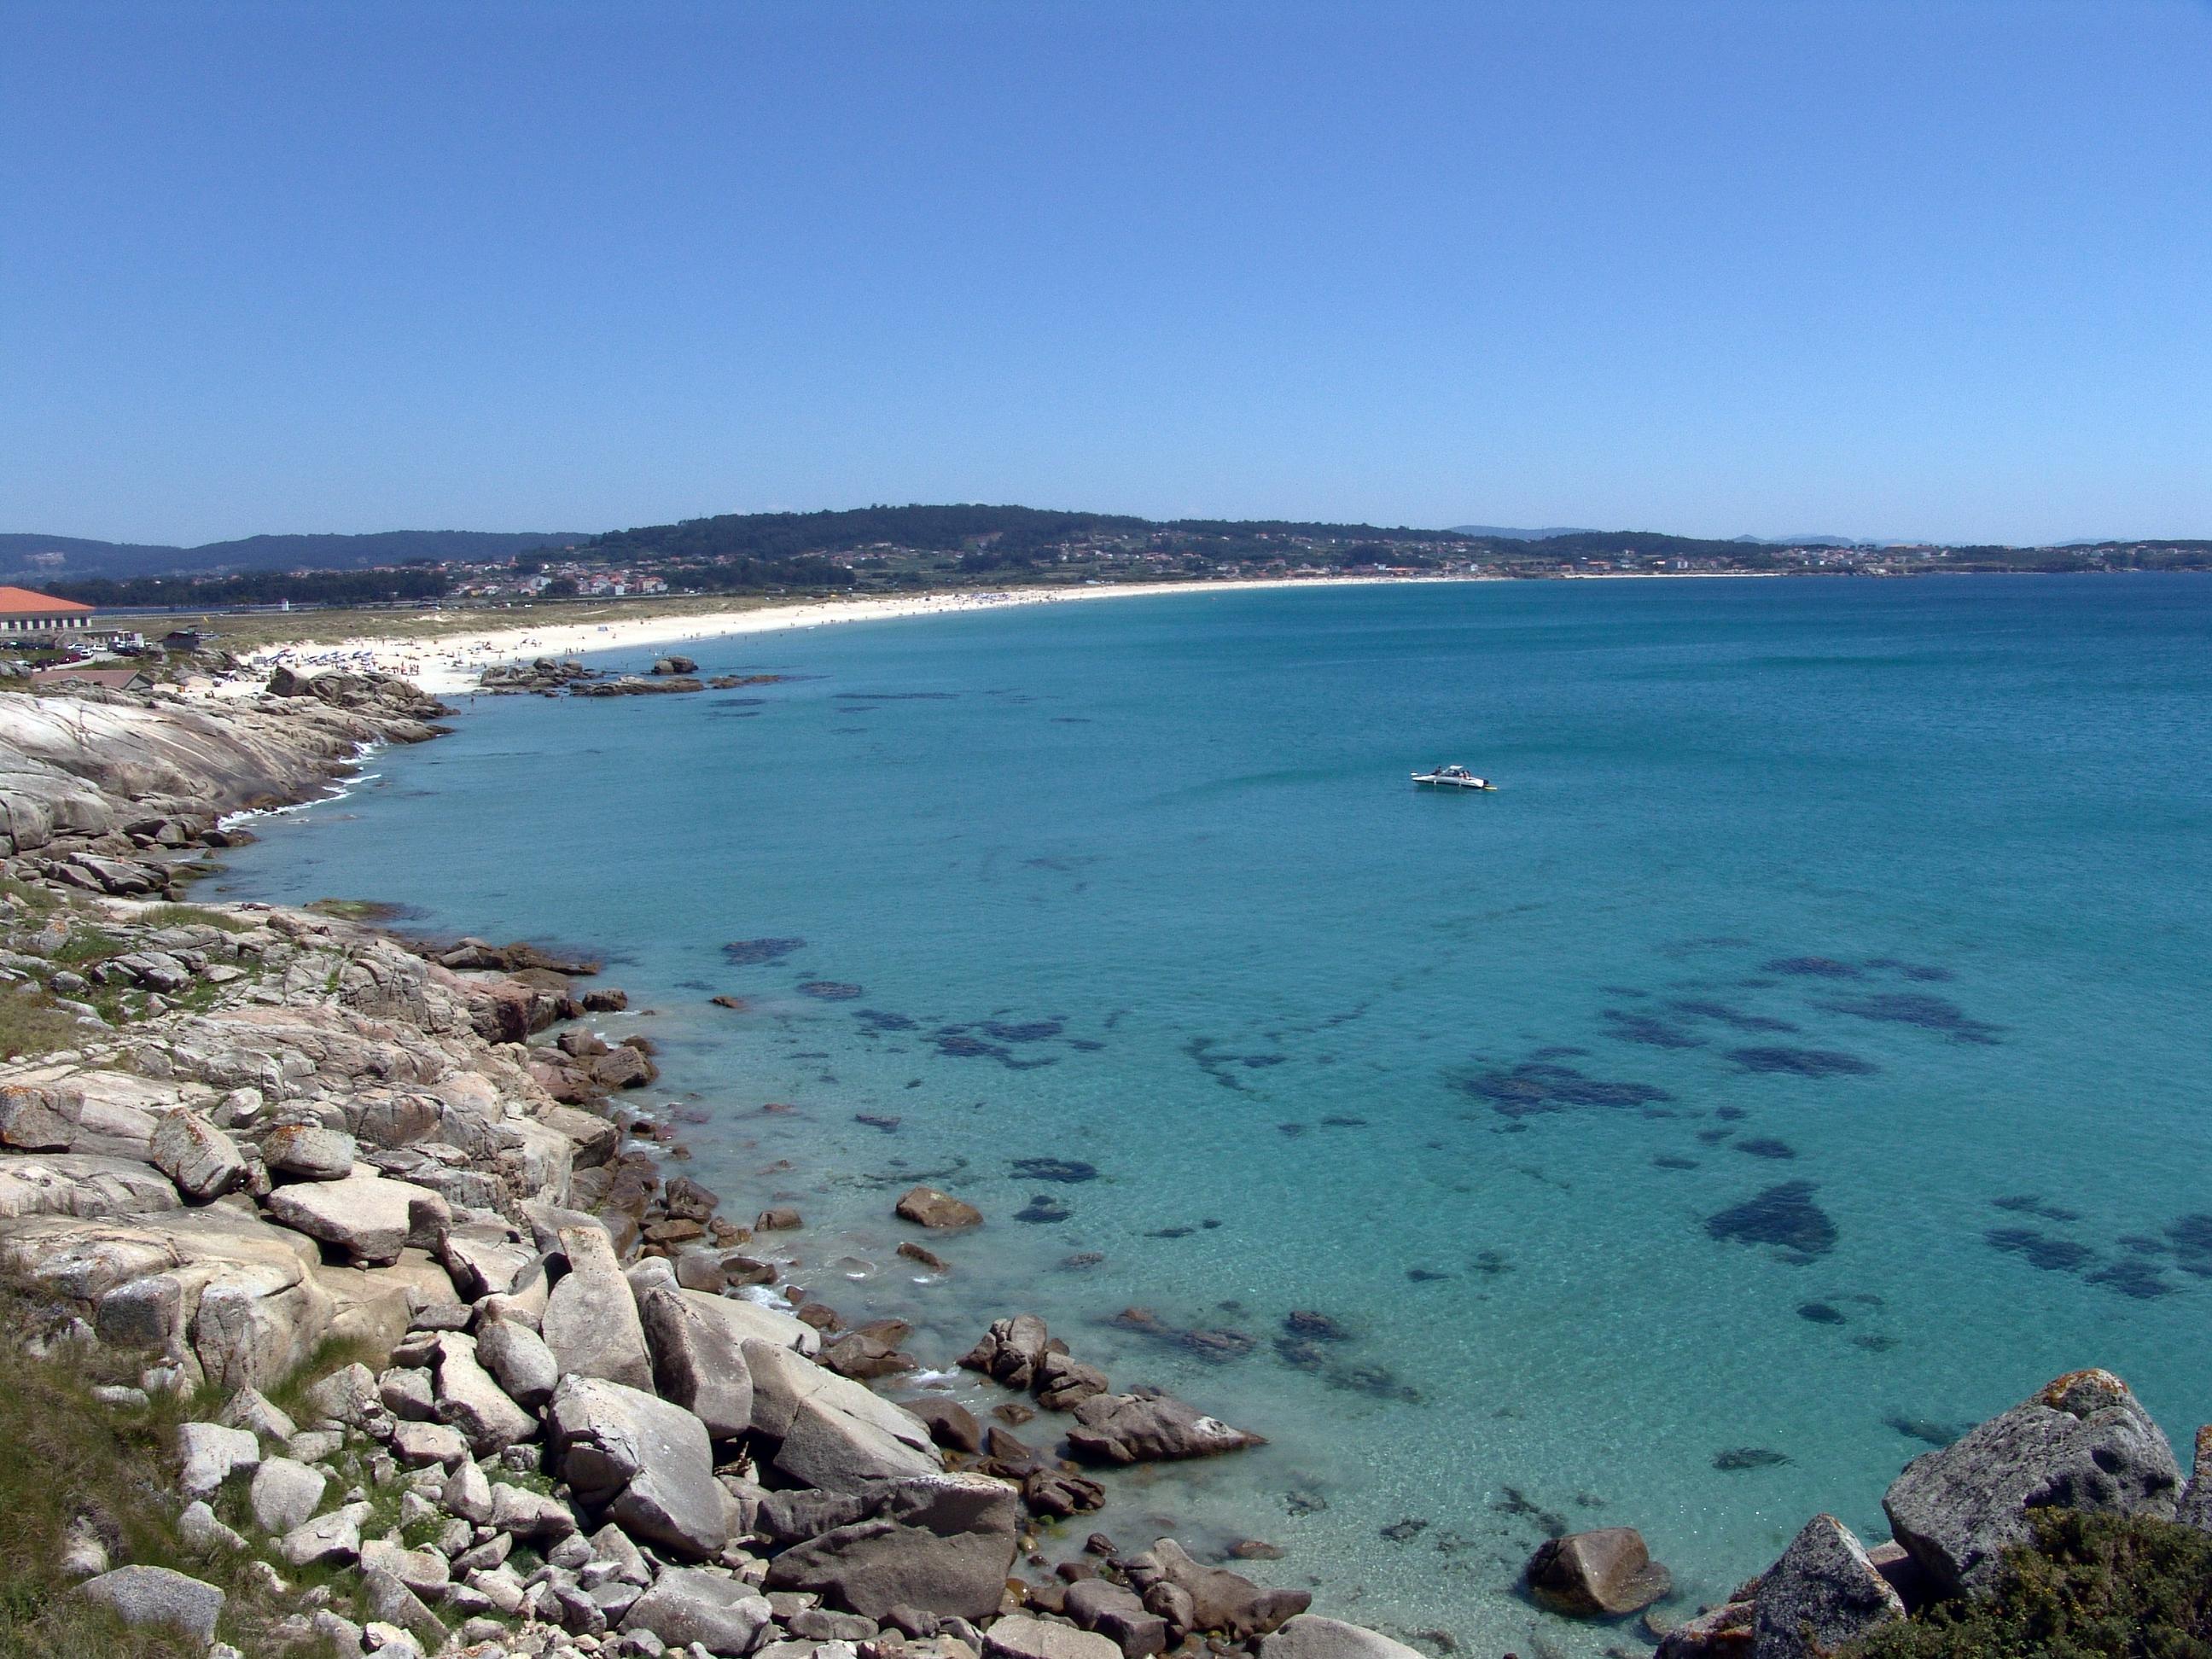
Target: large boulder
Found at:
471, 1401
1020, 1636
1309, 1636
685, 1605
526, 1370
827, 1432
698, 1357
943, 1543
2083, 1443
145, 1597
646, 1462
1601, 1574
369, 1217
203, 1161
1821, 1594
308, 1151
1116, 1613
284, 1494
1149, 1428
591, 1320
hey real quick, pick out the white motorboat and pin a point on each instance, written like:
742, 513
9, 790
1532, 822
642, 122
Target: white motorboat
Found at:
1451, 777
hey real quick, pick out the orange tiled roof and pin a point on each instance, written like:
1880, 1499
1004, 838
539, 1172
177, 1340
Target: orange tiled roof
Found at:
22, 602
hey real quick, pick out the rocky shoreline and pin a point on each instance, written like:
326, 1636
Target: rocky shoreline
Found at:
255, 1148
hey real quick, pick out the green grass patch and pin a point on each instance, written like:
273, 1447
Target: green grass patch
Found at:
40, 900
87, 945
193, 915
31, 1024
2089, 1587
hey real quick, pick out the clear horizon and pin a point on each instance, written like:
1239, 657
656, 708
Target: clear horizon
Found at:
1734, 268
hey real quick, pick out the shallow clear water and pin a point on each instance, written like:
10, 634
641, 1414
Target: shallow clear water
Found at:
1897, 891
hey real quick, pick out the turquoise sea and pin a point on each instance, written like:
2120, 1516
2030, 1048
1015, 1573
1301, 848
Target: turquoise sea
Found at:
1802, 1054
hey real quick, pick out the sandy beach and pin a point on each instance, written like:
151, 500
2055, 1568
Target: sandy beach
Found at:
452, 664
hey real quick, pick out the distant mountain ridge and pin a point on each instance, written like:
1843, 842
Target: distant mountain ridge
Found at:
1500, 533
29, 557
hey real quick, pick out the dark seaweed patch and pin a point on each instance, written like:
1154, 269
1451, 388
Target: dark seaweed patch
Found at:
897, 696
1764, 1146
1537, 1086
1925, 1431
1747, 1457
878, 1019
1424, 1275
1670, 1161
1067, 1170
1042, 1210
1874, 1341
1811, 967
751, 952
2041, 1250
2139, 1280
1730, 1114
1037, 1030
1913, 970
1918, 1008
1803, 1062
830, 990
1085, 1045
2029, 1203
1820, 1313
1785, 1216
1625, 1027
2193, 1244
1734, 1018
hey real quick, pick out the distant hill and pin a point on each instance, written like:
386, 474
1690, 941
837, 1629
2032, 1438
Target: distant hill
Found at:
33, 558
1499, 533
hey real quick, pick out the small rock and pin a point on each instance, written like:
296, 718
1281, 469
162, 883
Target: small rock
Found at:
926, 1206
1604, 1573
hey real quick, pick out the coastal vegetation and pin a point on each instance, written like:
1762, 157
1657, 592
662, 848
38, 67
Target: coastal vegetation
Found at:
2090, 1586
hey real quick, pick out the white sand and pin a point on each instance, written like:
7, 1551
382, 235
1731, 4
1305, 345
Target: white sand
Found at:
451, 664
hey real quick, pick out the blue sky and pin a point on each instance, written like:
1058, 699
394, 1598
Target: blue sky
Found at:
1880, 269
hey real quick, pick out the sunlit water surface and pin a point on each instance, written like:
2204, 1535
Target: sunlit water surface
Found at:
1879, 908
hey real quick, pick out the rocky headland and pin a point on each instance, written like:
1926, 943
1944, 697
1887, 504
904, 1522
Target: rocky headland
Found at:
539, 1396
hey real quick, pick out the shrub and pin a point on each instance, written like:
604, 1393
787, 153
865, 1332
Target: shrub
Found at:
2090, 1587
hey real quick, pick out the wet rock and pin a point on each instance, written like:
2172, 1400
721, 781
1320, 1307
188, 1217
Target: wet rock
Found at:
2083, 1443
926, 1257
646, 1461
1116, 1613
951, 1424
1010, 1351
1823, 1593
144, 1597
673, 665
778, 1221
926, 1206
1144, 1428
1210, 1599
1309, 1636
1062, 1383
1604, 1574
1054, 1494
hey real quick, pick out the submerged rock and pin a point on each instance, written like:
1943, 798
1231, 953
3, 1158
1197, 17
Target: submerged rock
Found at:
926, 1206
1608, 1573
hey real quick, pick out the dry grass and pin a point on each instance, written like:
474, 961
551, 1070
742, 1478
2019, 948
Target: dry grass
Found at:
30, 1023
252, 633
